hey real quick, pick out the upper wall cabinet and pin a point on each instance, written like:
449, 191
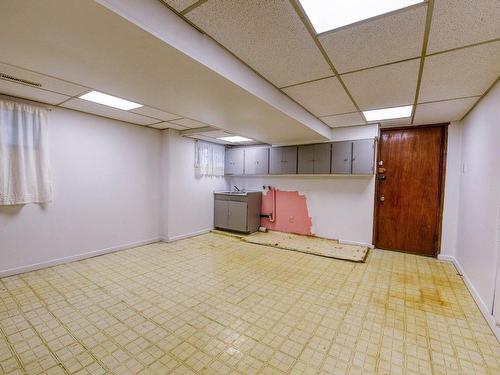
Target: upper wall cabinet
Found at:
341, 157
256, 160
283, 160
346, 157
234, 160
363, 156
353, 157
314, 159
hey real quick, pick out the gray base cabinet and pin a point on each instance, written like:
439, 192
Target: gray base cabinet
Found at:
237, 212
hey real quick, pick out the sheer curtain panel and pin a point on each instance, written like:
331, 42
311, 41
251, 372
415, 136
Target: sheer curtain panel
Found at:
209, 159
24, 159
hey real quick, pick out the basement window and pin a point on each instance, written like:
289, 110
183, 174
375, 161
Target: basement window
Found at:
326, 15
209, 159
24, 154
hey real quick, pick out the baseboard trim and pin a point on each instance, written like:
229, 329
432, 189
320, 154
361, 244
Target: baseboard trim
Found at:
475, 295
447, 258
347, 242
187, 235
73, 258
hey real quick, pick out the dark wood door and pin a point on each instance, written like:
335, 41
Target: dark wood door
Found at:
410, 177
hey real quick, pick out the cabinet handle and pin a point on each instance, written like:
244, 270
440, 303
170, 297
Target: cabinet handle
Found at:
346, 159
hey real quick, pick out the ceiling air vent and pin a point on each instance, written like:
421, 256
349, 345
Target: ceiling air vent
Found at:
19, 80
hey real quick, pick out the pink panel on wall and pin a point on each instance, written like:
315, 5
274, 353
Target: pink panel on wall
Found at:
292, 215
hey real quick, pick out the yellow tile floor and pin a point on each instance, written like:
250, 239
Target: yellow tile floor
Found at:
216, 305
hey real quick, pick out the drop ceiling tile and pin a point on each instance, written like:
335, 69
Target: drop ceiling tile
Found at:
31, 93
156, 113
267, 35
386, 86
209, 139
395, 122
387, 39
458, 23
179, 5
460, 73
322, 98
167, 125
188, 123
217, 134
48, 83
445, 111
105, 111
347, 119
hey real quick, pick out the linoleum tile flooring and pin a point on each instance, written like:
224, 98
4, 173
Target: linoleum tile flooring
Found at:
213, 304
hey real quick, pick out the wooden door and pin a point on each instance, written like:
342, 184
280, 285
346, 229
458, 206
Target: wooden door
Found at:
410, 178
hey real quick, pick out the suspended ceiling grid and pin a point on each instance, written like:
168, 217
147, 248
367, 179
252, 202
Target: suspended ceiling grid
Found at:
441, 56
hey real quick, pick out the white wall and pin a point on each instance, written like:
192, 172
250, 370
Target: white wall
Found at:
187, 199
477, 249
105, 176
341, 207
451, 191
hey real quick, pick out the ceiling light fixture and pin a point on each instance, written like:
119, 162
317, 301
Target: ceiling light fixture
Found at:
327, 15
388, 113
235, 139
109, 100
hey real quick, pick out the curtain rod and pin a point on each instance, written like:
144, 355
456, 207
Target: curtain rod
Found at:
26, 101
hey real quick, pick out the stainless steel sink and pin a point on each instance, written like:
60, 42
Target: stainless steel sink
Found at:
242, 192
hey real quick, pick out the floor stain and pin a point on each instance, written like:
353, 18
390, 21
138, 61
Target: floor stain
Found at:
216, 305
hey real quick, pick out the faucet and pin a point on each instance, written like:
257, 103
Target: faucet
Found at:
236, 187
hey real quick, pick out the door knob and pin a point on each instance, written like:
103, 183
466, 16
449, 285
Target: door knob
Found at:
381, 199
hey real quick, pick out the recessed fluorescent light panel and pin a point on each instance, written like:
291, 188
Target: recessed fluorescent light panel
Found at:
235, 139
388, 113
327, 15
109, 100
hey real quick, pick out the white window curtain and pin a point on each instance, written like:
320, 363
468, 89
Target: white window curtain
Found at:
24, 159
209, 159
